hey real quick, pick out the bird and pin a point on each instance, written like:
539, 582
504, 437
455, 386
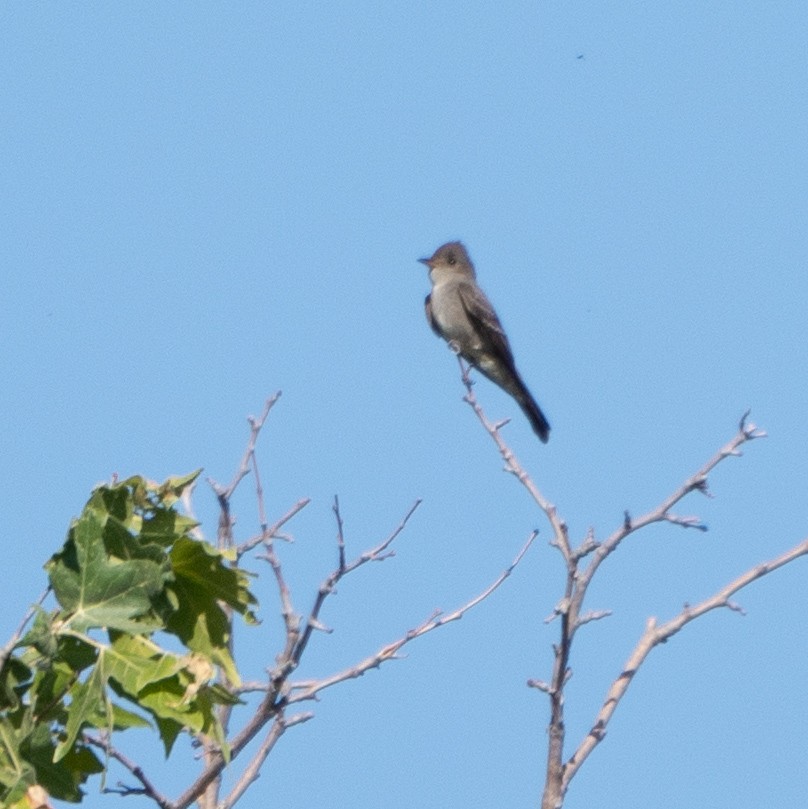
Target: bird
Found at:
459, 312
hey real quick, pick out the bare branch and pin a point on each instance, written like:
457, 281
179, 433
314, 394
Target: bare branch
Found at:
265, 712
309, 689
577, 583
272, 531
697, 482
224, 493
340, 534
562, 608
290, 619
148, 789
653, 636
225, 541
592, 615
327, 586
513, 466
249, 687
253, 770
586, 547
686, 522
259, 494
244, 467
276, 699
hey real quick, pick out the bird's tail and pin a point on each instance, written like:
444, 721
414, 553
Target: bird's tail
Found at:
536, 418
507, 377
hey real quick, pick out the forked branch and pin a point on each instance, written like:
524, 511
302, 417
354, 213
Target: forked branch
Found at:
581, 564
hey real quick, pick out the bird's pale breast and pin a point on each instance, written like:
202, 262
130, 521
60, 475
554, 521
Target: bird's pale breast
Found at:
451, 316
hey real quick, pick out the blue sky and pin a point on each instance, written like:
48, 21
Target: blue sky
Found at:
205, 203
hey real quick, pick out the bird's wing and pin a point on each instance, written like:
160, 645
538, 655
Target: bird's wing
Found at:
430, 318
485, 320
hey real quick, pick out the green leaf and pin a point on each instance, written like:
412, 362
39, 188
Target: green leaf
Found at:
135, 662
61, 778
203, 581
123, 719
13, 682
41, 635
175, 689
88, 699
167, 700
50, 686
169, 730
130, 566
165, 527
97, 590
56, 673
16, 774
202, 565
77, 653
27, 758
170, 491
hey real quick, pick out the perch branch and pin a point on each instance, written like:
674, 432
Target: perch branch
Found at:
512, 465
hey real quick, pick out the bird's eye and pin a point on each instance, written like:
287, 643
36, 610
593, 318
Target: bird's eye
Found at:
451, 258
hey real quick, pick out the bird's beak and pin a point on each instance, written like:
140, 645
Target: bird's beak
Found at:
427, 261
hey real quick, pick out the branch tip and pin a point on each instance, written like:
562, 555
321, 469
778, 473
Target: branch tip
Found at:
735, 607
319, 626
592, 615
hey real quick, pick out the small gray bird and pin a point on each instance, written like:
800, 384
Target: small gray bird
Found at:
459, 312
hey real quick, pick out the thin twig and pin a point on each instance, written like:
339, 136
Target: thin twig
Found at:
6, 651
259, 494
253, 770
309, 689
244, 467
594, 615
275, 698
226, 542
291, 619
340, 534
697, 482
250, 687
148, 789
327, 587
272, 531
225, 493
513, 465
